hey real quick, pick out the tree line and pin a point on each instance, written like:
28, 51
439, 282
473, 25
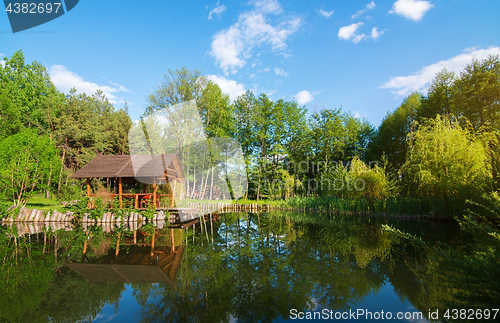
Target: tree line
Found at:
440, 145
46, 135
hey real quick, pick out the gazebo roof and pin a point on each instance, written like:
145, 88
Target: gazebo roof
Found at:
132, 166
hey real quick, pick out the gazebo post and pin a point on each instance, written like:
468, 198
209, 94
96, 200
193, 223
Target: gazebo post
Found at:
153, 244
154, 193
173, 239
173, 192
120, 191
118, 245
88, 193
88, 187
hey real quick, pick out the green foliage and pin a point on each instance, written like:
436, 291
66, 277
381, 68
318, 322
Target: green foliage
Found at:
446, 161
149, 213
70, 192
28, 162
27, 96
391, 137
90, 125
376, 183
5, 209
98, 208
337, 136
466, 277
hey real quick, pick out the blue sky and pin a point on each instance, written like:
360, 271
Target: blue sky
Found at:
363, 56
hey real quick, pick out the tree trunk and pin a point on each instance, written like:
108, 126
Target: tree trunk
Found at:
60, 173
47, 192
212, 183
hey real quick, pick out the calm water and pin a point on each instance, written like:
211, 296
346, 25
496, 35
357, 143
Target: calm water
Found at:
241, 268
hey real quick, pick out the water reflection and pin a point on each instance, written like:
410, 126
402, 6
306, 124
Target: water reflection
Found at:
242, 266
136, 259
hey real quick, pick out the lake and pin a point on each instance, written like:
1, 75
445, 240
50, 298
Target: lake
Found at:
239, 267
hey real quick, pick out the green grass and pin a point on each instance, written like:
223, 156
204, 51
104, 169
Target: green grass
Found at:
39, 202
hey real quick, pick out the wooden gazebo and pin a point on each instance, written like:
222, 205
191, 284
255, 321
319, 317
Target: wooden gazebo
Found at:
154, 169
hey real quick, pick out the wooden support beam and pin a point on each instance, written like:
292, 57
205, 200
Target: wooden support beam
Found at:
118, 244
173, 240
85, 246
120, 191
88, 192
154, 195
88, 187
153, 244
172, 204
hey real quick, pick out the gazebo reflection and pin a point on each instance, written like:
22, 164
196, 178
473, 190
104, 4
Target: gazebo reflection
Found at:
134, 260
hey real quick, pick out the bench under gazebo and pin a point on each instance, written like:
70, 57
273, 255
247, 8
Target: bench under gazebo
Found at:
148, 170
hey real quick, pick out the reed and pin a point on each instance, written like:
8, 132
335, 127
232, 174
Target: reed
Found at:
349, 206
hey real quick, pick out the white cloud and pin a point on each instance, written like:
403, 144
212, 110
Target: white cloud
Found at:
411, 9
270, 93
120, 87
347, 32
358, 115
218, 10
369, 6
231, 87
64, 80
280, 71
267, 69
304, 97
375, 33
2, 61
232, 47
357, 38
327, 14
267, 6
419, 81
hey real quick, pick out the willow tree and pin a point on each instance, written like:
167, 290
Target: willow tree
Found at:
446, 161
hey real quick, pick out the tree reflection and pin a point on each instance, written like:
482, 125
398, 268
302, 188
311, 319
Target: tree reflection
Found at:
244, 266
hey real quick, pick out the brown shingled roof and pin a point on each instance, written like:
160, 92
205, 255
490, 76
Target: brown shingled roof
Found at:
132, 166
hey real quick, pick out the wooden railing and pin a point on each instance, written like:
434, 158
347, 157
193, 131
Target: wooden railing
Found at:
140, 200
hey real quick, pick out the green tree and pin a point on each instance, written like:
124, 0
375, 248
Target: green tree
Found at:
477, 93
391, 137
440, 97
28, 162
446, 161
90, 125
28, 98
